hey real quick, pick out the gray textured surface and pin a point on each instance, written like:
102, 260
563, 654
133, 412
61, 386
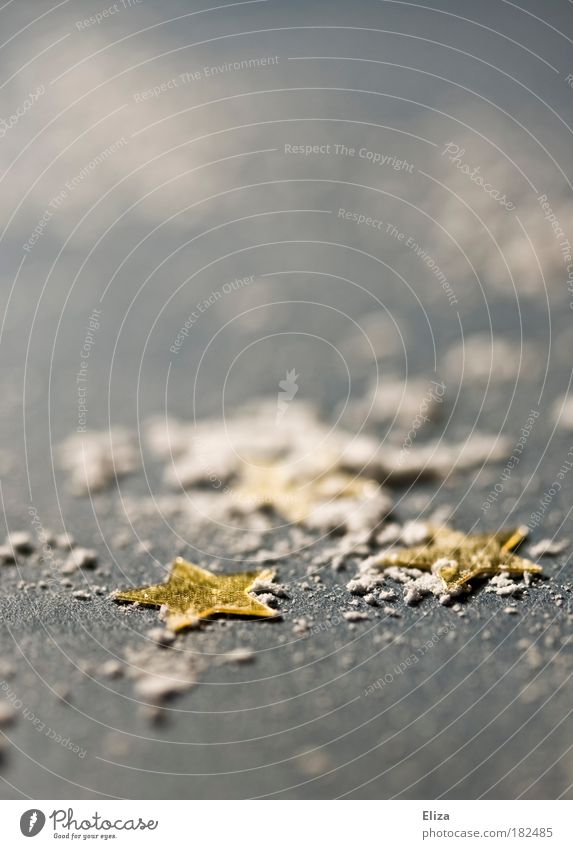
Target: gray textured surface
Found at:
477, 716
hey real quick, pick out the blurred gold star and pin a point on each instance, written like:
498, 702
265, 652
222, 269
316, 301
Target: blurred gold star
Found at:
297, 495
192, 593
457, 557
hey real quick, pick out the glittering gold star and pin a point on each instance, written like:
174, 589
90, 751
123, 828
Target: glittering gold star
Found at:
192, 593
457, 557
297, 496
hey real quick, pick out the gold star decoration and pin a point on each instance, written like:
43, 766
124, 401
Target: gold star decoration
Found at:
297, 496
457, 557
192, 593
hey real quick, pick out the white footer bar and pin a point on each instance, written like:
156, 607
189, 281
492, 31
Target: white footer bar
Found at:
284, 824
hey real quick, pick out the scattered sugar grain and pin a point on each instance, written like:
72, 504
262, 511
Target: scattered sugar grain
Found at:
548, 547
414, 533
387, 595
7, 555
80, 558
161, 636
111, 669
355, 615
65, 541
20, 542
81, 595
269, 587
268, 599
7, 713
239, 655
